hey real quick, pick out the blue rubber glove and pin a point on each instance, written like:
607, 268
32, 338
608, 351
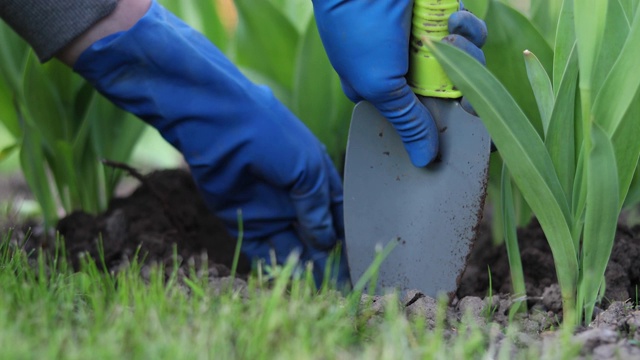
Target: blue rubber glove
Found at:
368, 45
245, 149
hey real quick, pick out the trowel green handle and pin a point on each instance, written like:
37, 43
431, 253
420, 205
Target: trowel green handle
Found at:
430, 21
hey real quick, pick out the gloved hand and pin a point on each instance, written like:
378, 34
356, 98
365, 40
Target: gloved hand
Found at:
245, 149
368, 45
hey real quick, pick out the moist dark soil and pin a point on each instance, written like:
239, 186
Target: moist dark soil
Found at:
164, 221
489, 261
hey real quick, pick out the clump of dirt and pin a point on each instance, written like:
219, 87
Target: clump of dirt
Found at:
165, 216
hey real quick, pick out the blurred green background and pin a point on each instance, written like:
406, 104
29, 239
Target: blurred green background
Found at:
274, 42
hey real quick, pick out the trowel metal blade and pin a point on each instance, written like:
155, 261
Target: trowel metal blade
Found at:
432, 213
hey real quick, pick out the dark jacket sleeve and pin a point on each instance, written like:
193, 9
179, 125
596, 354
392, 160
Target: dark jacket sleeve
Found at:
49, 25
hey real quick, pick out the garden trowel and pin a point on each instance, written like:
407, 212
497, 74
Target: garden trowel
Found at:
431, 213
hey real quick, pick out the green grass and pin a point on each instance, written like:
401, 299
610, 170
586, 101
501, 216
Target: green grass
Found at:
49, 311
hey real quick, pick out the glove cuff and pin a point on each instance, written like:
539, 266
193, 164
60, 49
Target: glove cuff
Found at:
48, 26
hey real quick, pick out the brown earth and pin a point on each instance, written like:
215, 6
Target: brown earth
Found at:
622, 274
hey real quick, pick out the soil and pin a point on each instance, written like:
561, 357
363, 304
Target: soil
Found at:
622, 274
162, 222
165, 217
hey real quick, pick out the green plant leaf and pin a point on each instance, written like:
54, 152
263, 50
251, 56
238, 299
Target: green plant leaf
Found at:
7, 151
544, 15
266, 41
579, 198
616, 103
614, 39
627, 147
298, 12
564, 44
629, 7
590, 20
510, 34
561, 132
67, 178
12, 63
12, 57
523, 152
9, 110
542, 89
619, 88
601, 217
34, 168
318, 98
633, 195
107, 122
511, 240
46, 110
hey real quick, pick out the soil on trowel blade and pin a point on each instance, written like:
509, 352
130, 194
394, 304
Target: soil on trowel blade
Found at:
165, 215
488, 261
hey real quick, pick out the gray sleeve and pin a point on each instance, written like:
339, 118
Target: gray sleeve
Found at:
49, 25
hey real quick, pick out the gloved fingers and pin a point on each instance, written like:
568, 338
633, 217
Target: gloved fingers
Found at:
412, 121
465, 45
337, 199
349, 91
469, 26
312, 200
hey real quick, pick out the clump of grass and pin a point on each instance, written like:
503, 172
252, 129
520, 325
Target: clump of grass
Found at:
48, 310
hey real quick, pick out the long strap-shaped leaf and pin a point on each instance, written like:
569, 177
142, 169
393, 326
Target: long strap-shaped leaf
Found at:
600, 219
565, 43
511, 241
560, 137
266, 41
612, 103
524, 153
542, 89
